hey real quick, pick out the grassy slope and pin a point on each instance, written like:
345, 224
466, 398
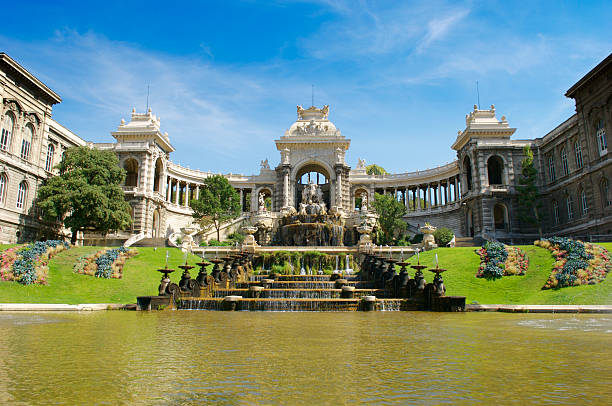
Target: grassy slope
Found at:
65, 286
462, 264
140, 278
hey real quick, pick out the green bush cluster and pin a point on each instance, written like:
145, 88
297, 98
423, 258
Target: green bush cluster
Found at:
282, 261
443, 236
493, 255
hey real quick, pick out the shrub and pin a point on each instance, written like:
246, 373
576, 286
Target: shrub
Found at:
217, 243
236, 237
497, 260
417, 238
443, 236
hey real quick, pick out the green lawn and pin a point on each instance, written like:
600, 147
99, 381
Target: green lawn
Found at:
460, 280
140, 278
65, 286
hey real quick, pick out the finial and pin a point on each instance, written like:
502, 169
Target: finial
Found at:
475, 107
503, 118
458, 132
492, 107
122, 121
149, 110
133, 110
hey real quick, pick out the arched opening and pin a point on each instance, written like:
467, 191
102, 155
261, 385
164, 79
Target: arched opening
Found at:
155, 227
264, 200
467, 169
3, 183
606, 198
495, 169
157, 177
131, 167
361, 200
499, 217
316, 174
22, 194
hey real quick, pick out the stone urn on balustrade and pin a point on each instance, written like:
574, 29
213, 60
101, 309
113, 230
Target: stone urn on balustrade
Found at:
249, 243
429, 242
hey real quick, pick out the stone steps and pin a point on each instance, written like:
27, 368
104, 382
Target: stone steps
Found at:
151, 242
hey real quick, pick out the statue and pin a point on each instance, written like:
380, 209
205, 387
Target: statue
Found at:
364, 202
312, 194
262, 202
264, 164
325, 111
361, 164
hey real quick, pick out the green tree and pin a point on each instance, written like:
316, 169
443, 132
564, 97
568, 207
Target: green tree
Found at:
390, 213
374, 169
218, 202
87, 193
529, 204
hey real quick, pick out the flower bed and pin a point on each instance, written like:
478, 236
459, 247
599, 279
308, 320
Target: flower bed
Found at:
106, 263
29, 264
497, 260
576, 262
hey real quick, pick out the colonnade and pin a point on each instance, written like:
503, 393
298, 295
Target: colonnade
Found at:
181, 192
426, 196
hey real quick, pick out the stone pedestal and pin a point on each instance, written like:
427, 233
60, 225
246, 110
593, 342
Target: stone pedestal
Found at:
429, 242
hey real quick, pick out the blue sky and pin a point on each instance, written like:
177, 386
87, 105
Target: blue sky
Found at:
225, 76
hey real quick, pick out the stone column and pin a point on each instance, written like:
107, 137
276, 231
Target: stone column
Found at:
168, 189
197, 192
456, 190
428, 199
187, 194
406, 199
286, 189
241, 200
448, 193
439, 187
339, 189
418, 206
178, 191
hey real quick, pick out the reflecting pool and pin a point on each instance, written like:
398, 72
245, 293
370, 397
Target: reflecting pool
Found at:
230, 358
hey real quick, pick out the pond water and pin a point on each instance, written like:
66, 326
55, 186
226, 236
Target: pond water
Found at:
240, 358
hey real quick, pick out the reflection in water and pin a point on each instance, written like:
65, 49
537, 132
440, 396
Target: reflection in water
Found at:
198, 357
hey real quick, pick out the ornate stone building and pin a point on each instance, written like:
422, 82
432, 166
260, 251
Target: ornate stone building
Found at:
474, 195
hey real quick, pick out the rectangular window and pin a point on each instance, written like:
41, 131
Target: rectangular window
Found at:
25, 149
570, 208
564, 161
551, 168
578, 151
602, 143
50, 153
4, 139
556, 212
585, 206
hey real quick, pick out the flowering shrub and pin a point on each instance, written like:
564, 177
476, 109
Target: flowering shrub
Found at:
497, 260
106, 263
576, 262
28, 264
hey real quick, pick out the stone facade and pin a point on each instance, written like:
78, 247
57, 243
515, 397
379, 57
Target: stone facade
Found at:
474, 195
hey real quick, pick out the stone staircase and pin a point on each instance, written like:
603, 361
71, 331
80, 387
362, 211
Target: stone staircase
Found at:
151, 242
466, 242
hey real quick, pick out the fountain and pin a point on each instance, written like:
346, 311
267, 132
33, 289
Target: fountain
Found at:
313, 224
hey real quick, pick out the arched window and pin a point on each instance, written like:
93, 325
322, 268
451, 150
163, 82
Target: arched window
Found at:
605, 193
8, 124
551, 168
467, 169
22, 194
564, 161
600, 134
131, 167
570, 207
555, 209
3, 182
583, 202
578, 151
495, 169
26, 142
50, 154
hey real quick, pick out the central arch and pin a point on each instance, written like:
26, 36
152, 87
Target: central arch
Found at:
316, 173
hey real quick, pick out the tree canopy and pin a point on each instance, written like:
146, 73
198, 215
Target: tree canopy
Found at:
529, 203
374, 169
87, 193
218, 202
390, 213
